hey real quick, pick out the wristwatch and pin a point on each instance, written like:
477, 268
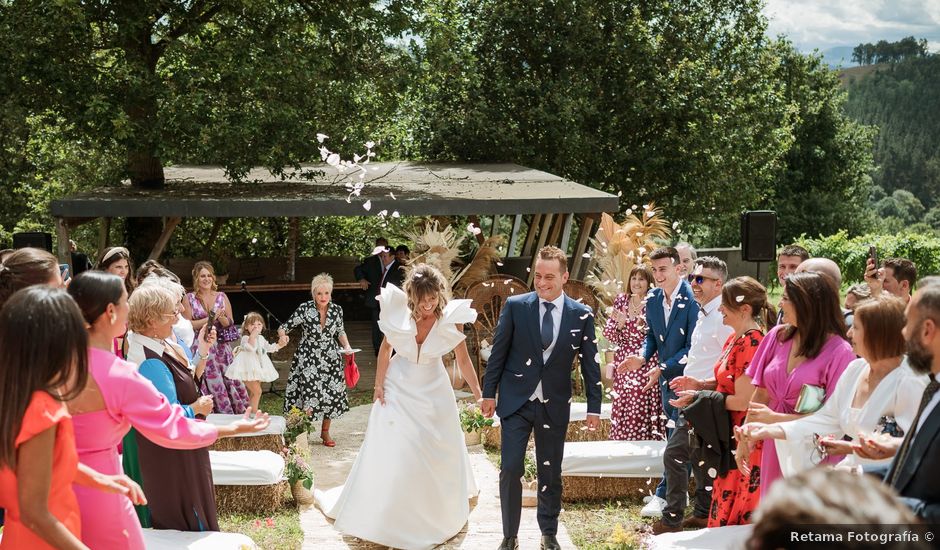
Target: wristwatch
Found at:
203, 357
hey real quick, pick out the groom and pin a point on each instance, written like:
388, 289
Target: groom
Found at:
537, 338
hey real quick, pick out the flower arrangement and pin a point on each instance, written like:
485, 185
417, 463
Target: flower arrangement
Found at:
298, 422
296, 468
472, 419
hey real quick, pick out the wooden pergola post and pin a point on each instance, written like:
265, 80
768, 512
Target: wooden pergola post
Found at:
530, 235
514, 236
104, 236
169, 225
62, 241
581, 247
293, 235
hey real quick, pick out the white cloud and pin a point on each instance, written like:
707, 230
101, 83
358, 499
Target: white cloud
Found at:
826, 23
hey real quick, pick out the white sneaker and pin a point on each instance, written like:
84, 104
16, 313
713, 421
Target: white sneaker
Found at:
648, 498
654, 508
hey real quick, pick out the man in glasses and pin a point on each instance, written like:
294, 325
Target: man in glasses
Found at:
708, 338
671, 314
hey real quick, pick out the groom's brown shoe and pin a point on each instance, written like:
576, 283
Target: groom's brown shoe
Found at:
549, 542
509, 543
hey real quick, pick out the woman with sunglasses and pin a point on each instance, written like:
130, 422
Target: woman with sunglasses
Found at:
797, 364
871, 400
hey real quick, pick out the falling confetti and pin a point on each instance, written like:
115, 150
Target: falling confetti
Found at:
712, 472
739, 299
367, 205
473, 229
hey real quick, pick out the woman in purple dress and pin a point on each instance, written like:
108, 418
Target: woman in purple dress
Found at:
636, 415
229, 396
807, 353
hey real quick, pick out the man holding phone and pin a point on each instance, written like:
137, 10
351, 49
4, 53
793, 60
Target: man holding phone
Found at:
895, 276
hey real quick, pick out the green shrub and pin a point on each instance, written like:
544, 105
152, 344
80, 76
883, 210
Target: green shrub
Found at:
851, 253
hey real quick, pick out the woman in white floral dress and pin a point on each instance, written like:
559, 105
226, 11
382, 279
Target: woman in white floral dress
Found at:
316, 383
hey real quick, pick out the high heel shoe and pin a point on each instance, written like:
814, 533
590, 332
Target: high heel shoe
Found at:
327, 442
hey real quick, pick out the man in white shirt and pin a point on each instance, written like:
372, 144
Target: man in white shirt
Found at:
708, 339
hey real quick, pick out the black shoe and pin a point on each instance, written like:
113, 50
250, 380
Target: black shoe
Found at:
549, 542
509, 543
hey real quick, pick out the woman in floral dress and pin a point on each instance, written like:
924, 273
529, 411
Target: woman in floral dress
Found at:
316, 383
636, 415
229, 396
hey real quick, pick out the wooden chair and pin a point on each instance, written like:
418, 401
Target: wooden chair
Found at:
488, 297
581, 292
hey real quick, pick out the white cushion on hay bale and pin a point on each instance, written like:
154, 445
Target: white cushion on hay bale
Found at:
278, 424
246, 467
579, 411
732, 537
599, 470
168, 539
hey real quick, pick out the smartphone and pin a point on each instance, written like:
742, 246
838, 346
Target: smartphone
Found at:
873, 254
64, 272
210, 320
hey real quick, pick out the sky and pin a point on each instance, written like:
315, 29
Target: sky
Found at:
825, 24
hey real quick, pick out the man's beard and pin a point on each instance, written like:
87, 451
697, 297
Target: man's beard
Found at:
918, 357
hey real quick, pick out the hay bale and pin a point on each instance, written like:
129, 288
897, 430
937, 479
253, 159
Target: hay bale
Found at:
255, 500
492, 434
266, 442
584, 488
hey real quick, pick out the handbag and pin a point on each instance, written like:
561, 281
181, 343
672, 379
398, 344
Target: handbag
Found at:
811, 399
351, 372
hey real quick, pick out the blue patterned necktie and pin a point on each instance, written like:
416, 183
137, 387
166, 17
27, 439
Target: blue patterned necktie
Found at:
548, 326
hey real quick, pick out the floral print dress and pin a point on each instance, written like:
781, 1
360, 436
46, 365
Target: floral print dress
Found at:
228, 396
316, 382
636, 415
734, 495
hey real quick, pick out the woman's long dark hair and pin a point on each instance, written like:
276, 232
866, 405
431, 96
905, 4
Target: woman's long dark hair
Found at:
113, 255
93, 291
818, 314
25, 267
43, 344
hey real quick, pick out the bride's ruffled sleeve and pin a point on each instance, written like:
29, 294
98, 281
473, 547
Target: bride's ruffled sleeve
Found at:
457, 312
395, 319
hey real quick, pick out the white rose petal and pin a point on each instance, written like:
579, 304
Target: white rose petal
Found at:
367, 205
321, 137
333, 159
370, 144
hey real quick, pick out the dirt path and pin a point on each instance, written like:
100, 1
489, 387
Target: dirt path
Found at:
483, 530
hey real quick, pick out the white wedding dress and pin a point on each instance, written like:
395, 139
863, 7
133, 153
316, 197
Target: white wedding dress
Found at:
411, 483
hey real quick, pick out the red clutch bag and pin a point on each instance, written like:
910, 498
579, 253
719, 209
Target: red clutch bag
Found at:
351, 371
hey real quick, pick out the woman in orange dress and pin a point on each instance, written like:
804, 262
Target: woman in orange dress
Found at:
38, 460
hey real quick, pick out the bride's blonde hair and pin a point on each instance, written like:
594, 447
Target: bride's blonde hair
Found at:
424, 280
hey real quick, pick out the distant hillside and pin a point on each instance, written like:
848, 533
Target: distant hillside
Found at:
903, 101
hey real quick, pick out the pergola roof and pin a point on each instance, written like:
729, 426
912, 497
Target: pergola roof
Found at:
404, 187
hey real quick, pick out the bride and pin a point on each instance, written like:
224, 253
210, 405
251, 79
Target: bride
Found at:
411, 483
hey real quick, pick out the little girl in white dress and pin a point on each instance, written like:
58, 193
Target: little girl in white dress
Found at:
252, 364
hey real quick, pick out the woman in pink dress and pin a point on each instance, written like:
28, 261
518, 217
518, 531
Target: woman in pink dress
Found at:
636, 415
808, 349
115, 398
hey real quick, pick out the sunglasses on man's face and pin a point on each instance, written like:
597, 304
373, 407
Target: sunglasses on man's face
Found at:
699, 279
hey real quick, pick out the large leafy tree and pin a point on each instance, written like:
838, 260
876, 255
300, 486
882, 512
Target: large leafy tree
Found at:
668, 101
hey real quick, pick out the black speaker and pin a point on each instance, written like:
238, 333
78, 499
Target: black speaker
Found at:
33, 239
759, 236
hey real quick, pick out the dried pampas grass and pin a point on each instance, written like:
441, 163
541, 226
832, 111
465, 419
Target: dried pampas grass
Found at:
482, 266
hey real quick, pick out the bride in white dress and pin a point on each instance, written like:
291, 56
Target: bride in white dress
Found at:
411, 483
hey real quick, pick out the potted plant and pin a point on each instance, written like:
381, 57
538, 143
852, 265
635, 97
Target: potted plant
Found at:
472, 422
298, 424
530, 482
299, 475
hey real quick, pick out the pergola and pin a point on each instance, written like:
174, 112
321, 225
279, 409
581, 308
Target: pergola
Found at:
548, 209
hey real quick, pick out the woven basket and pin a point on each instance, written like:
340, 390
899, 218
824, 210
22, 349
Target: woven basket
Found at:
302, 495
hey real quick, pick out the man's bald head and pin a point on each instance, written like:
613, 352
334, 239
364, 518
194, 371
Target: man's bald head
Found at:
824, 266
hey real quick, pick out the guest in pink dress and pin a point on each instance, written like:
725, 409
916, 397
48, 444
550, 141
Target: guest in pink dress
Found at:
808, 349
636, 415
115, 398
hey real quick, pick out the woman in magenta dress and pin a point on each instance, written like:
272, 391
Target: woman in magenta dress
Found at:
636, 415
808, 349
115, 398
229, 396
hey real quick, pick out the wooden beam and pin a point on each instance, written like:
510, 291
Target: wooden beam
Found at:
556, 229
566, 232
62, 240
514, 236
169, 225
582, 245
76, 222
494, 229
530, 234
475, 220
104, 236
213, 235
543, 235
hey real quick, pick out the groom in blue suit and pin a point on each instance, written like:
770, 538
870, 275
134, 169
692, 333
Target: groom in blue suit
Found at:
537, 339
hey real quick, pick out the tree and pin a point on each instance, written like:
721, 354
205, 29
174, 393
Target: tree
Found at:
902, 205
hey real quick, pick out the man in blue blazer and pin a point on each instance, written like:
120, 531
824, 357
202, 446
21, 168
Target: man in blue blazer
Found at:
913, 472
671, 314
537, 339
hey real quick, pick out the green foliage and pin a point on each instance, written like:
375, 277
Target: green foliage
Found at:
884, 51
296, 467
902, 205
471, 419
851, 253
903, 101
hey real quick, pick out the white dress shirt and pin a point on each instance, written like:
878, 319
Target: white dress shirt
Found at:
559, 303
708, 339
670, 303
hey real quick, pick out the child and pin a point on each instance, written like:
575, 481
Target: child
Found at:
252, 364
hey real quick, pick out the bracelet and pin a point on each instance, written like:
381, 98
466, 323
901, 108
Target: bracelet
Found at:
203, 357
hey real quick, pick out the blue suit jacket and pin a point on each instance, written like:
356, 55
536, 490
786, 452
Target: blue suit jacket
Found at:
515, 366
671, 342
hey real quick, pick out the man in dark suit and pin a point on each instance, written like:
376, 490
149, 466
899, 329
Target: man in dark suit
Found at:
536, 342
373, 273
913, 472
671, 314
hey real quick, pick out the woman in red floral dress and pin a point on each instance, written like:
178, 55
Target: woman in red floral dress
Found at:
636, 415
